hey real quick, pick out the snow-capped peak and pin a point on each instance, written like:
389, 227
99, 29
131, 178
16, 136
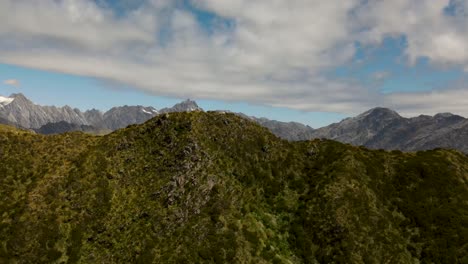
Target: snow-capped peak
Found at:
5, 100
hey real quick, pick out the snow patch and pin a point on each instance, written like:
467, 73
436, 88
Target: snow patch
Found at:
146, 112
5, 100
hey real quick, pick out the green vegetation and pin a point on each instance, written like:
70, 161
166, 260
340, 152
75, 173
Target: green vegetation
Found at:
216, 188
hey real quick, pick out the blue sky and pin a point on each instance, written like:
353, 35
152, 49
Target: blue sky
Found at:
289, 61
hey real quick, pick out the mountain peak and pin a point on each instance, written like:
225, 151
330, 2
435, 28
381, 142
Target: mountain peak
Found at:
18, 95
20, 98
380, 112
188, 103
184, 106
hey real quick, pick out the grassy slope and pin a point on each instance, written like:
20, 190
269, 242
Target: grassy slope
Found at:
210, 187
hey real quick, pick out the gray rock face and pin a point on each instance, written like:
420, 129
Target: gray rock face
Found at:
291, 131
360, 129
19, 110
120, 117
94, 117
23, 112
4, 121
185, 106
381, 128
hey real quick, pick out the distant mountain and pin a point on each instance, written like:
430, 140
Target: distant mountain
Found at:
382, 128
291, 131
185, 106
378, 128
120, 117
20, 110
63, 127
360, 129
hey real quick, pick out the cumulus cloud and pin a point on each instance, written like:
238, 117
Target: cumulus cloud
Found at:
12, 82
276, 53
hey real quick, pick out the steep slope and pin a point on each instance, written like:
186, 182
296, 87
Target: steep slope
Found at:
382, 128
184, 106
94, 117
291, 131
21, 111
211, 187
423, 133
120, 117
4, 121
360, 129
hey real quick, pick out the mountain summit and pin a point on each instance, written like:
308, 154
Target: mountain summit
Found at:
379, 113
185, 106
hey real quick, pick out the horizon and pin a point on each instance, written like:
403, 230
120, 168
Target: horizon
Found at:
203, 109
281, 61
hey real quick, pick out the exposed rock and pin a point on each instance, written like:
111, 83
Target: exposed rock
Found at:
185, 106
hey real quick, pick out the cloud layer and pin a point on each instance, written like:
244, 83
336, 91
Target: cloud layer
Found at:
276, 53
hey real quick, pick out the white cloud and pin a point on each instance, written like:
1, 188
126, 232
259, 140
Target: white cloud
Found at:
12, 82
271, 52
433, 102
430, 32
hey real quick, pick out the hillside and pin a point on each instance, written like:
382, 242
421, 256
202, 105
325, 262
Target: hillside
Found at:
217, 188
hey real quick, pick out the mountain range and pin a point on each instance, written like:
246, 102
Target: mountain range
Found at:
212, 187
382, 128
19, 110
378, 128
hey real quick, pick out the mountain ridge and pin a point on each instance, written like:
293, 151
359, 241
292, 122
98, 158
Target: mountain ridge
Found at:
218, 188
384, 128
376, 128
18, 109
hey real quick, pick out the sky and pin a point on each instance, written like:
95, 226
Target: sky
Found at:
310, 61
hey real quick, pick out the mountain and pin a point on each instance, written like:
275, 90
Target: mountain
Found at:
63, 127
20, 110
94, 117
382, 128
378, 128
120, 117
291, 131
360, 129
185, 106
4, 121
217, 188
52, 120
